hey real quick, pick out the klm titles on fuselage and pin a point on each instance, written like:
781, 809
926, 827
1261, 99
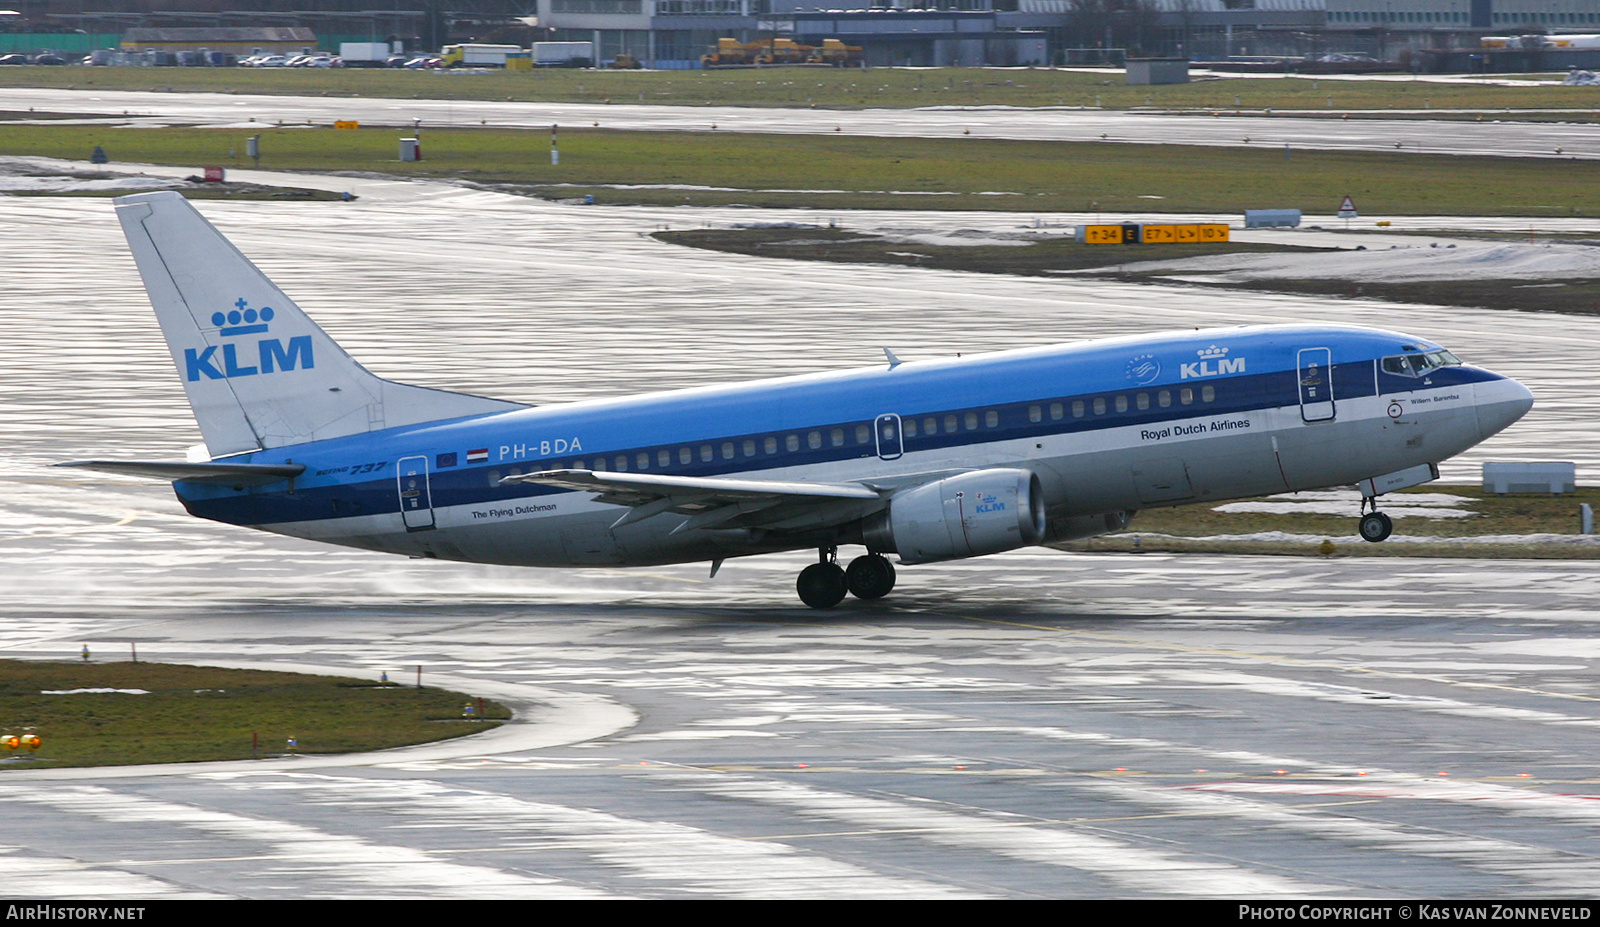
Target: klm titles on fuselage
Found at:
1213, 362
271, 354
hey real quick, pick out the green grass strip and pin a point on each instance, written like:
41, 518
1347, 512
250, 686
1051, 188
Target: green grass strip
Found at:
198, 713
957, 173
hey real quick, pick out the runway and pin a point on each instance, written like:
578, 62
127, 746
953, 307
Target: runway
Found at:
1555, 140
1030, 725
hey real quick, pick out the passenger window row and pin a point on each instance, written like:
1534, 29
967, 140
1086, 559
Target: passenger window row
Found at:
859, 436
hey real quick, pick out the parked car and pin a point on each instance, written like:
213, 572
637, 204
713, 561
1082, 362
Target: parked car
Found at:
13, 59
49, 59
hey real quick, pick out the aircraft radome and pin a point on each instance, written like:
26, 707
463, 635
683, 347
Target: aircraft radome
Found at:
932, 460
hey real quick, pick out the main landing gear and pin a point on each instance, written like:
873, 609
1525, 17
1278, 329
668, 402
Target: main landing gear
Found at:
824, 584
1375, 526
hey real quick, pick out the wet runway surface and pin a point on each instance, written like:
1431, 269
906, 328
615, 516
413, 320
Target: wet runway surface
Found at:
1466, 137
1029, 725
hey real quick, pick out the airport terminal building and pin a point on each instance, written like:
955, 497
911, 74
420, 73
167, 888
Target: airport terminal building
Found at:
1411, 34
675, 33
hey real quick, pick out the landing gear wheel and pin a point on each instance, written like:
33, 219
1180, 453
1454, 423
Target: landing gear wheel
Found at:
1375, 527
870, 577
821, 585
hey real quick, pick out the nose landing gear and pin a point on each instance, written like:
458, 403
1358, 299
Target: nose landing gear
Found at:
824, 584
1375, 526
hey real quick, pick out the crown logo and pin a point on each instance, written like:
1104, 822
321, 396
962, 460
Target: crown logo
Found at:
242, 320
1212, 353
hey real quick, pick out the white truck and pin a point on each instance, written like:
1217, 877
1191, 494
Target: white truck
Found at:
562, 54
364, 54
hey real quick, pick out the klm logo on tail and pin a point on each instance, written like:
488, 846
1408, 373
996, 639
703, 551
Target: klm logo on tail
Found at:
270, 356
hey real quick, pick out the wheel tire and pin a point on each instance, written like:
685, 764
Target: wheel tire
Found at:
1375, 527
870, 577
821, 585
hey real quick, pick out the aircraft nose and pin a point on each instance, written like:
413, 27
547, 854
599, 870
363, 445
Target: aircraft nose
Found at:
1501, 402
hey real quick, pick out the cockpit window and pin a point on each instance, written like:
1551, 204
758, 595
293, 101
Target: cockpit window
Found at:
1416, 365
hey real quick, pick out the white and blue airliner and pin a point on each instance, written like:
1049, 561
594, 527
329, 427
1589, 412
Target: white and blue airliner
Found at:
930, 461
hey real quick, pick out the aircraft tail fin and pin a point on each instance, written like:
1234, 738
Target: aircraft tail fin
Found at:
258, 372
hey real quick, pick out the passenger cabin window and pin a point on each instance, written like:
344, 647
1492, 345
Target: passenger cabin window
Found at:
770, 445
792, 442
909, 427
1122, 403
1077, 408
1099, 405
664, 458
685, 455
1142, 401
1208, 393
1035, 414
750, 448
863, 434
991, 419
971, 419
706, 453
814, 440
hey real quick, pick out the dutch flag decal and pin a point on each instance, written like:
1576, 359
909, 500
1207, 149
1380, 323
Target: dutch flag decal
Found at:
481, 455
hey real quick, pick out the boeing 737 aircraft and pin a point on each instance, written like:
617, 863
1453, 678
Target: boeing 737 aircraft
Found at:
933, 460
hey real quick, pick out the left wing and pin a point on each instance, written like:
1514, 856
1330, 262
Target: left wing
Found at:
716, 502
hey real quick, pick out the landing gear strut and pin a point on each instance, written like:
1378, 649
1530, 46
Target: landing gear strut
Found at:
823, 584
1375, 526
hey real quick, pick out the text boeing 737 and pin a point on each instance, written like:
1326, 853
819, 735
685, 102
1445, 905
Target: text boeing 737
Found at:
935, 460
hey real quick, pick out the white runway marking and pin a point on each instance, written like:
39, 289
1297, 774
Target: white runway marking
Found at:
325, 864
1123, 865
683, 859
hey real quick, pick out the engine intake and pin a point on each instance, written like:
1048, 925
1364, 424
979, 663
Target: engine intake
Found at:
983, 512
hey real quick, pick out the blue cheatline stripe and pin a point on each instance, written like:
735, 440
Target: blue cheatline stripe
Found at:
474, 485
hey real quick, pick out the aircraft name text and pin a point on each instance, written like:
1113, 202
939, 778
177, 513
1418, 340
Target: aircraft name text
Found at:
511, 512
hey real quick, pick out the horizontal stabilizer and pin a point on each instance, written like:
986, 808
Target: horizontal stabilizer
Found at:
233, 474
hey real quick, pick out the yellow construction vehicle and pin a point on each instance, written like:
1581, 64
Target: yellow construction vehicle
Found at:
838, 54
782, 51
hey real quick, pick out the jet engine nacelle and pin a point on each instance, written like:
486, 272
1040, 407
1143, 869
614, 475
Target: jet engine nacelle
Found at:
983, 512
